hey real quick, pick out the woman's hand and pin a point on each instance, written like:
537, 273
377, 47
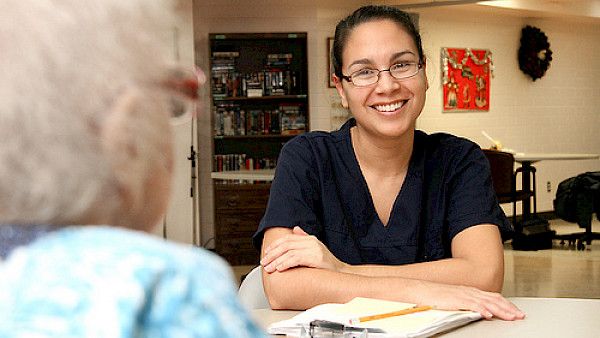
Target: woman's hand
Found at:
452, 297
299, 249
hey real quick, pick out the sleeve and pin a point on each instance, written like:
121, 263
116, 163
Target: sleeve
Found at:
294, 196
471, 194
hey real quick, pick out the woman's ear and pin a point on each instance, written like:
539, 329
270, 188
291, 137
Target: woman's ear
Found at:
340, 89
425, 73
118, 139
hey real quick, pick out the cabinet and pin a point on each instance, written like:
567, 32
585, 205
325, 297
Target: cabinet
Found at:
238, 209
259, 94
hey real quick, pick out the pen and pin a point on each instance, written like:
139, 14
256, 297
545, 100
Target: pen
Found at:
390, 314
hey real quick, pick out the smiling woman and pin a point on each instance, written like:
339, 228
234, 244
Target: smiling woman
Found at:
353, 210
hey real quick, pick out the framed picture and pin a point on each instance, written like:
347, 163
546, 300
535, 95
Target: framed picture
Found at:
331, 83
466, 77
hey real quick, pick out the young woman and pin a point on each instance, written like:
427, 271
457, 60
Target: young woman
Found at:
378, 209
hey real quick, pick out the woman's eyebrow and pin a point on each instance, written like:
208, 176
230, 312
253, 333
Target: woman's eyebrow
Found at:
360, 62
401, 54
392, 58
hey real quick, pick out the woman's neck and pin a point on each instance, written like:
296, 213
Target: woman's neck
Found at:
386, 156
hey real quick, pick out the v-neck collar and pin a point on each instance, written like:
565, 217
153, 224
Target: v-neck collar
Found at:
411, 187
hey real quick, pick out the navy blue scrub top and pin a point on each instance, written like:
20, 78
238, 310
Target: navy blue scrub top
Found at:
318, 186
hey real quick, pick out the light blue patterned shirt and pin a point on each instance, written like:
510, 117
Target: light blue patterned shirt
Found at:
100, 281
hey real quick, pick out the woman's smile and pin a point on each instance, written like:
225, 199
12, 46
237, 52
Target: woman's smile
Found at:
389, 108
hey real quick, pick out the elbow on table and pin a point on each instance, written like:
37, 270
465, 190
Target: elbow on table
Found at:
275, 301
491, 280
492, 286
276, 304
278, 292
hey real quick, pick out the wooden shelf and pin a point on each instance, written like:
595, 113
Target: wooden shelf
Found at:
239, 62
271, 97
260, 136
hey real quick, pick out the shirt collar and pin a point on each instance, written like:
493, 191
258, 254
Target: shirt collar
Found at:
13, 236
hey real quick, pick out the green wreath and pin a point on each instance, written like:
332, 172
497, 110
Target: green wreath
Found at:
534, 54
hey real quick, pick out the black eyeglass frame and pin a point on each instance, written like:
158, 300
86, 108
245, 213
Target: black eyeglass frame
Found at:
379, 71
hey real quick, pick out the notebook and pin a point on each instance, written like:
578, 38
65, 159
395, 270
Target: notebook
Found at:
419, 324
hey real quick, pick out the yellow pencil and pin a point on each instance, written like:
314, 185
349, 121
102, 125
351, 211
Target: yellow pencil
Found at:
390, 314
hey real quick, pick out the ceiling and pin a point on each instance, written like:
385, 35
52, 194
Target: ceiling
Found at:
526, 8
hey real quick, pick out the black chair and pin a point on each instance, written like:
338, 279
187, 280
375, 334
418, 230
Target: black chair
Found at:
577, 199
504, 178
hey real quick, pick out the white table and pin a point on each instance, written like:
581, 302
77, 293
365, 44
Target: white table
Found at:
546, 317
535, 157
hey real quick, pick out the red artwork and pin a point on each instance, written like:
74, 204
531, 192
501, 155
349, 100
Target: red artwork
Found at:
467, 73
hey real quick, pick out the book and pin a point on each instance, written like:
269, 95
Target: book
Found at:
418, 324
293, 119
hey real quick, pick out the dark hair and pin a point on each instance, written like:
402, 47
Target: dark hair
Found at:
366, 14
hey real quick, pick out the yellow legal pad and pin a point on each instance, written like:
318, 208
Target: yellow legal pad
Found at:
419, 324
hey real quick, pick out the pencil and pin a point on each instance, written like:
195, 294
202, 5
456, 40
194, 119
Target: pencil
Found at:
390, 314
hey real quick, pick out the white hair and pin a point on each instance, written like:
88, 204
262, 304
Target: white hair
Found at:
63, 66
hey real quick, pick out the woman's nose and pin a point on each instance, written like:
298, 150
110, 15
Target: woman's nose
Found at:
386, 82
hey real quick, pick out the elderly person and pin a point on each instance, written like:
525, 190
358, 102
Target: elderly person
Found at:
85, 168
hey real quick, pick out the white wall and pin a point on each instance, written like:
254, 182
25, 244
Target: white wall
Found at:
178, 222
558, 113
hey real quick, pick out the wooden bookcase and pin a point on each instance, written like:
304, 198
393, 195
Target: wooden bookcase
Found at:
259, 93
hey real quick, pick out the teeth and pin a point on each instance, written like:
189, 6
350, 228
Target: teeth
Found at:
389, 107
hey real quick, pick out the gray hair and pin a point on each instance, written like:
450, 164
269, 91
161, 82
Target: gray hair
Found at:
64, 64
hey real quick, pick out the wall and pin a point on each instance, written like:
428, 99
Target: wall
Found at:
557, 113
178, 223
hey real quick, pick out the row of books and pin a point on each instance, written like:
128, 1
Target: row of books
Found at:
235, 162
227, 83
232, 120
223, 64
276, 79
282, 60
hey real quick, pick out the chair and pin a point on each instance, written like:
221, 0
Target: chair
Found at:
577, 199
251, 293
504, 178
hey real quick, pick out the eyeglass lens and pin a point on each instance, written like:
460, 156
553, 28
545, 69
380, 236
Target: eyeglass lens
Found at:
184, 84
397, 71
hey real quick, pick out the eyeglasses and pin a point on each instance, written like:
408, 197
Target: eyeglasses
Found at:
184, 84
399, 71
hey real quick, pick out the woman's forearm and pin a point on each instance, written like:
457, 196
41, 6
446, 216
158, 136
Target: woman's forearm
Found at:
478, 261
302, 288
455, 271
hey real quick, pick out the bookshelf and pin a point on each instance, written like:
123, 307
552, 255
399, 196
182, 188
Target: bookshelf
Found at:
259, 97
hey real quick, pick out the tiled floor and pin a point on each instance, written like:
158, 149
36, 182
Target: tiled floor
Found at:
558, 272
